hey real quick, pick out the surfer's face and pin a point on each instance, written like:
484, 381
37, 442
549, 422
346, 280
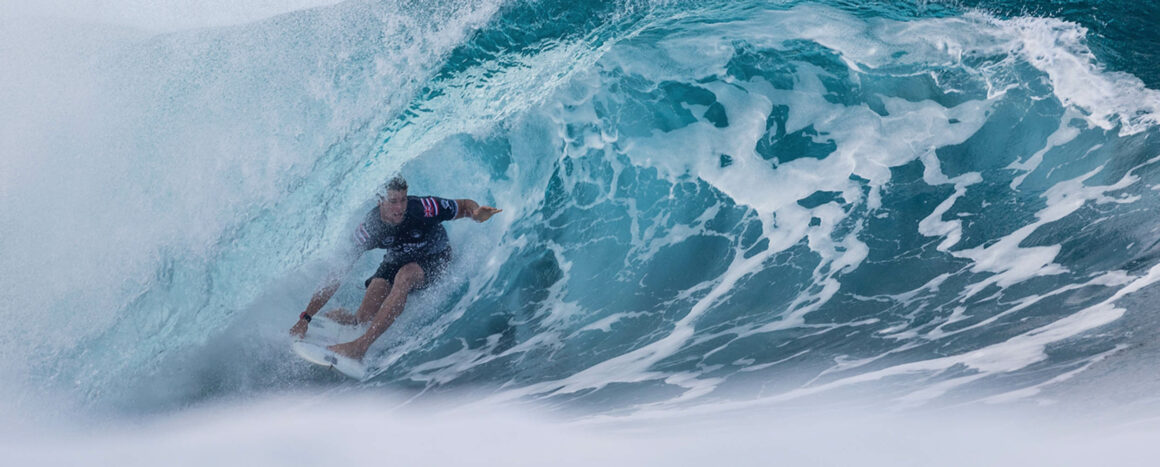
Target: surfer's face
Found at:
393, 206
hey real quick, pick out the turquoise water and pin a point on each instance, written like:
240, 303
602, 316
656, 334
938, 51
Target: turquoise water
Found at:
705, 203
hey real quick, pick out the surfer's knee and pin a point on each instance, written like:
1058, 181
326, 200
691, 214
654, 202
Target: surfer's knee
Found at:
378, 288
409, 276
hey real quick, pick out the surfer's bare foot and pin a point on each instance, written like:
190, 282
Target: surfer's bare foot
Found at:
350, 349
341, 316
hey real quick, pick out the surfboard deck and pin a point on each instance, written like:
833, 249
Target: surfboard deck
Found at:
319, 355
325, 330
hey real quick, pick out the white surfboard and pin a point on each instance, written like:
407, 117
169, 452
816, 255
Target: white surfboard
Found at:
319, 355
324, 330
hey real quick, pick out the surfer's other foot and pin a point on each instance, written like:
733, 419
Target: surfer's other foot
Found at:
350, 350
341, 316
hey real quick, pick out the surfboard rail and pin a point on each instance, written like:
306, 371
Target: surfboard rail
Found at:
321, 356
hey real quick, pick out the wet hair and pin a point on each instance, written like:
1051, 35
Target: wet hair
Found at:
397, 183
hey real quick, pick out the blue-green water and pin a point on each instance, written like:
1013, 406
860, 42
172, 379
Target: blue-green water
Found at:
706, 203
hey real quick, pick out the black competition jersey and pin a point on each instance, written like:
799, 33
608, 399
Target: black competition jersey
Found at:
420, 234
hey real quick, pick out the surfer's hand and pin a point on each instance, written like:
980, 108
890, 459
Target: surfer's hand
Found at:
484, 213
299, 329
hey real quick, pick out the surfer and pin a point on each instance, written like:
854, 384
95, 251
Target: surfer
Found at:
409, 228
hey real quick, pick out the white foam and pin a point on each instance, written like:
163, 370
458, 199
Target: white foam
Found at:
933, 225
1031, 391
1011, 263
605, 324
1016, 353
1105, 99
1108, 279
358, 430
1064, 134
1109, 99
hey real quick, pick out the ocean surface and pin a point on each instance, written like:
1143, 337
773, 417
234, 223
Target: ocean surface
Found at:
753, 232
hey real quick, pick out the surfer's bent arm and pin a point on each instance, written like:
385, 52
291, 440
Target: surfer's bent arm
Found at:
469, 208
344, 261
333, 280
322, 296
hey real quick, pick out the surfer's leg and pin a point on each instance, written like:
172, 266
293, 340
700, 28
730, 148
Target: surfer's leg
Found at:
377, 292
378, 288
408, 277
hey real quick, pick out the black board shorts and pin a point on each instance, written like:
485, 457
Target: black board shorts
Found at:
433, 268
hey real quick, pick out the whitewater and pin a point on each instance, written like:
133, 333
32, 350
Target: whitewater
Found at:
745, 232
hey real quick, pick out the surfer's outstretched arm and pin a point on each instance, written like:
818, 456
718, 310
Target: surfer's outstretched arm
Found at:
469, 208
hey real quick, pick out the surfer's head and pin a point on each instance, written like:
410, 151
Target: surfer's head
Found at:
393, 200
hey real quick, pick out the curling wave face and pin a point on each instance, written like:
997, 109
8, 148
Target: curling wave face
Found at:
780, 202
742, 202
